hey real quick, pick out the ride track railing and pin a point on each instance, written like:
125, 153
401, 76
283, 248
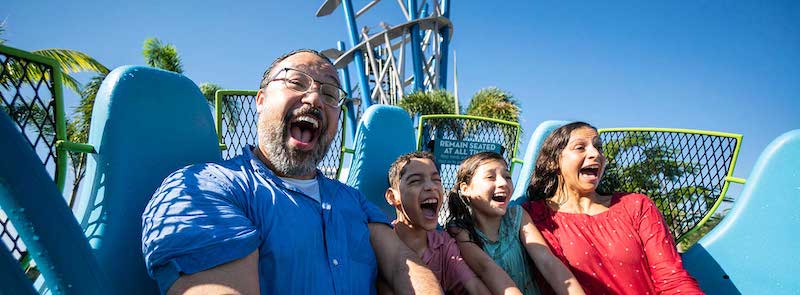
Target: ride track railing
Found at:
236, 119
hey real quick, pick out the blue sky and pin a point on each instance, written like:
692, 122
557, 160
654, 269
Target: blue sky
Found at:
731, 66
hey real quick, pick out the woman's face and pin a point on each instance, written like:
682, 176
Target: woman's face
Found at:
490, 189
581, 163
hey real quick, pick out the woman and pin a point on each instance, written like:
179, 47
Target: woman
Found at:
614, 244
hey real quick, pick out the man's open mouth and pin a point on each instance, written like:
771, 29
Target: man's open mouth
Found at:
305, 129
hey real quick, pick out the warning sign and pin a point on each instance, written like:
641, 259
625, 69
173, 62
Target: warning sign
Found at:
449, 151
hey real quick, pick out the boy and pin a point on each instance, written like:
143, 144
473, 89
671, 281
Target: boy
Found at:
415, 190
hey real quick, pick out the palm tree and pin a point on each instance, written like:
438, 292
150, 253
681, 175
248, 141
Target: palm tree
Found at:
428, 102
163, 56
494, 103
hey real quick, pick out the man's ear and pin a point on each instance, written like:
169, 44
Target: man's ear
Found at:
392, 197
260, 99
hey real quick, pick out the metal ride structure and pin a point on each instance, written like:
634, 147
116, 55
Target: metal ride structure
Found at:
400, 59
386, 66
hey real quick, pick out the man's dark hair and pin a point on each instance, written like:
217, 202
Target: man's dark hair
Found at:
398, 168
268, 72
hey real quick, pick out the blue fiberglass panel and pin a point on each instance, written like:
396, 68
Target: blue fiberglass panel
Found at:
146, 124
529, 161
754, 249
384, 133
44, 222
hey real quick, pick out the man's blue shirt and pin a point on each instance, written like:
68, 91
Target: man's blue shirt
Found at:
208, 214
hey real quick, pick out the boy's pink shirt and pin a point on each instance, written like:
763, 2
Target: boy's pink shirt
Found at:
444, 259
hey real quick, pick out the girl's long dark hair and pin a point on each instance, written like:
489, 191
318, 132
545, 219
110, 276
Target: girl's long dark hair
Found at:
545, 180
460, 215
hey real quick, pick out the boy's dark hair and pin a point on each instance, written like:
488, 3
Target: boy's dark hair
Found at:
545, 179
458, 204
398, 167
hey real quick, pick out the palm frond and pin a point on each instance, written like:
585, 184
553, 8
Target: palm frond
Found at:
73, 61
2, 30
71, 83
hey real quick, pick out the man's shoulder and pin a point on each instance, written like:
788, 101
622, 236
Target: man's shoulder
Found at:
222, 171
232, 165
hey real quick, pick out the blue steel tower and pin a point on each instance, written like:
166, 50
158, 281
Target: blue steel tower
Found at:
399, 59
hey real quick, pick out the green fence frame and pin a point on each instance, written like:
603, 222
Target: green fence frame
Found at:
62, 145
728, 177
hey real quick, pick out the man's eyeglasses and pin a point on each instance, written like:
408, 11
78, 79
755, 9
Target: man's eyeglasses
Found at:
301, 82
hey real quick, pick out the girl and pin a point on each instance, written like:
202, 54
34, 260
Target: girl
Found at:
478, 206
615, 244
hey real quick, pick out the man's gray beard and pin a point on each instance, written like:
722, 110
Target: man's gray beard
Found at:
273, 136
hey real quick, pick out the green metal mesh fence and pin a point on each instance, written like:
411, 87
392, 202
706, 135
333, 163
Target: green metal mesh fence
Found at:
465, 128
683, 172
237, 129
27, 92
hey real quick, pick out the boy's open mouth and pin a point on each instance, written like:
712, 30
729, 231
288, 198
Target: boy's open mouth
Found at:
430, 208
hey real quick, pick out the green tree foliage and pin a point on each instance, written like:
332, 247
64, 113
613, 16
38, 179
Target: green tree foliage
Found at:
494, 103
230, 109
695, 236
161, 55
429, 102
209, 91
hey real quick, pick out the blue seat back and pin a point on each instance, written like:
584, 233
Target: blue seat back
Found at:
529, 161
146, 124
384, 133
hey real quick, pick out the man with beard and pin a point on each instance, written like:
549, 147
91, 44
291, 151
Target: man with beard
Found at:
268, 221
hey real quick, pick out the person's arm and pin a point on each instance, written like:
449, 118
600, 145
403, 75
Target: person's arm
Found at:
554, 271
666, 266
383, 287
476, 287
398, 265
194, 230
236, 277
493, 276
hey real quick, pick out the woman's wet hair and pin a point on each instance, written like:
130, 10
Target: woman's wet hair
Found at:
460, 215
546, 174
